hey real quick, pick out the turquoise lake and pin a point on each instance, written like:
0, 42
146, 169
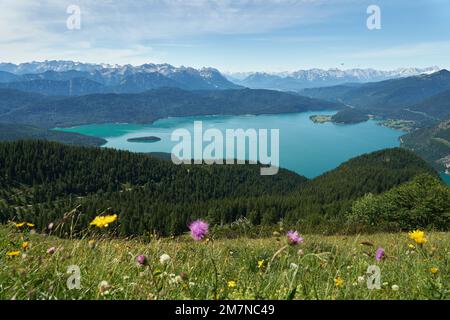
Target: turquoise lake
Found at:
307, 148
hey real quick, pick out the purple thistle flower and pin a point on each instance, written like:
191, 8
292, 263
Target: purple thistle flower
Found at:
199, 229
379, 254
141, 259
294, 237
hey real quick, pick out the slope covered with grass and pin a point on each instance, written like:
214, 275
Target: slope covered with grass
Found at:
319, 268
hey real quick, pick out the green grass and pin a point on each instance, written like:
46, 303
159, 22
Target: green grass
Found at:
205, 268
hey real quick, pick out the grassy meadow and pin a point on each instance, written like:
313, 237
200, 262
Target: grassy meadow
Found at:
35, 266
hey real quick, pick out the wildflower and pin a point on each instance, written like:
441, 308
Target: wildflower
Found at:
165, 258
103, 221
395, 287
294, 237
380, 254
51, 250
338, 282
25, 245
261, 264
434, 270
232, 284
175, 279
141, 260
361, 279
23, 224
294, 266
199, 229
418, 236
157, 272
104, 288
13, 253
300, 252
411, 246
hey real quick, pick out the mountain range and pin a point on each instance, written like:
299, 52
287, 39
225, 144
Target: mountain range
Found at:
67, 78
312, 78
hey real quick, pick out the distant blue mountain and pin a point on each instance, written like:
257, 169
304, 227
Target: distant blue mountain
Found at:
313, 78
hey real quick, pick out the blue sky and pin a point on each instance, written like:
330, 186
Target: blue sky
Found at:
231, 35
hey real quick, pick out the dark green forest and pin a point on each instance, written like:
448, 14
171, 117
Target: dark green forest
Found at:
146, 107
13, 132
43, 181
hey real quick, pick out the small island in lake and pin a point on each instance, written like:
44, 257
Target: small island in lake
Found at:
321, 118
150, 139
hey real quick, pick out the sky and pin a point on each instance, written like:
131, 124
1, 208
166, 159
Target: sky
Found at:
231, 35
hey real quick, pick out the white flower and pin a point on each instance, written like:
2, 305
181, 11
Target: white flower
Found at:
395, 287
104, 288
361, 279
294, 266
300, 252
175, 279
164, 258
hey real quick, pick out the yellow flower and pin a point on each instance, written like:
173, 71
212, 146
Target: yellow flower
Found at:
411, 246
418, 236
25, 245
232, 284
338, 282
434, 270
103, 221
260, 264
13, 253
22, 224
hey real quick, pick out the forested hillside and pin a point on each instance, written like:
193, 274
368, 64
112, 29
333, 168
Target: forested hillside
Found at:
14, 132
423, 99
146, 107
432, 144
41, 181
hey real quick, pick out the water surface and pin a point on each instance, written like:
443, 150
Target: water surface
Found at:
307, 148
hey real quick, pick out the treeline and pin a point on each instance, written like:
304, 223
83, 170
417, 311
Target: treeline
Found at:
42, 181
